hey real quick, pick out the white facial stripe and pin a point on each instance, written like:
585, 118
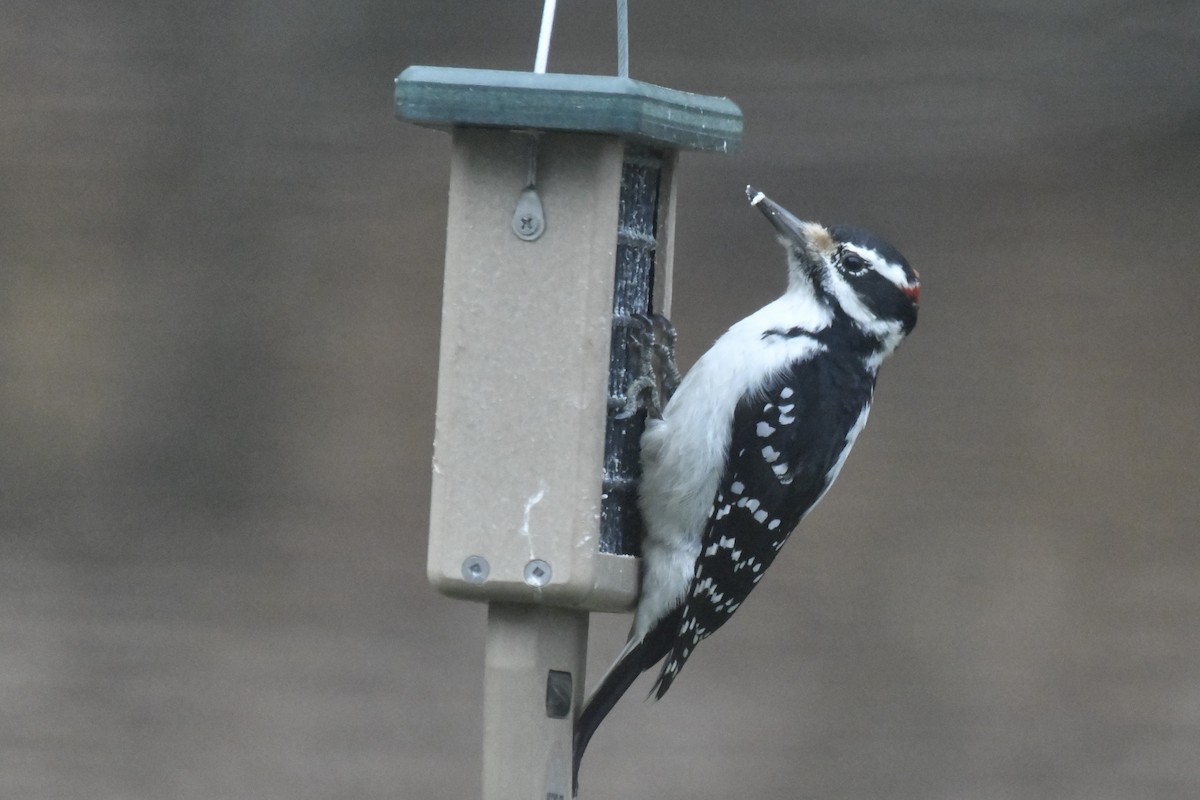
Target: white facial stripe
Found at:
849, 301
893, 272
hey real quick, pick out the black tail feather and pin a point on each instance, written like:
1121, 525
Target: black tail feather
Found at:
615, 683
635, 659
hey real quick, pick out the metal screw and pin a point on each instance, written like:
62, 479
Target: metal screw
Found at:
537, 573
475, 569
529, 219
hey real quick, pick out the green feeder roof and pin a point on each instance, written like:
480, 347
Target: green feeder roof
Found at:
443, 97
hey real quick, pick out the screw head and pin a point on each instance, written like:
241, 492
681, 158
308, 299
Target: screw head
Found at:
529, 220
475, 569
537, 573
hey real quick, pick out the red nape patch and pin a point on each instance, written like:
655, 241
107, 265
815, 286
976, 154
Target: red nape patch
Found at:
912, 291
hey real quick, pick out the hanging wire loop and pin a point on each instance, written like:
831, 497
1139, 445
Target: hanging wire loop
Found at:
623, 38
543, 48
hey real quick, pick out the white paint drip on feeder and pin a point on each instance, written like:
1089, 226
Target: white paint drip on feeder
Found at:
533, 502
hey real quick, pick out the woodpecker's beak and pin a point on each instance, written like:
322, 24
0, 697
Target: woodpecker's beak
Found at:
807, 240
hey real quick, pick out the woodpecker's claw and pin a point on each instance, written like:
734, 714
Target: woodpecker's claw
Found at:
655, 374
665, 337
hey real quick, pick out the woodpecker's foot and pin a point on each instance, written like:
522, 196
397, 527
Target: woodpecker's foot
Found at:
642, 389
664, 349
655, 376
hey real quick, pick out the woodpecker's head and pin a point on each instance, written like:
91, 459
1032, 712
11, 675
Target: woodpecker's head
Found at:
849, 269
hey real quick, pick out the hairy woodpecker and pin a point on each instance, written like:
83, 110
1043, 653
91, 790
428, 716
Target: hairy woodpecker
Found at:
752, 439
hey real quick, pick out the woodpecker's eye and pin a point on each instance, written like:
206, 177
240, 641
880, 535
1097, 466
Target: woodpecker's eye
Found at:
853, 264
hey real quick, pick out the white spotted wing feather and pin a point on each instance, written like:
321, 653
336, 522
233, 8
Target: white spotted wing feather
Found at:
788, 440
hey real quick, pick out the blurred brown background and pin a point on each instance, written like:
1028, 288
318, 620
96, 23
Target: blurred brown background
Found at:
220, 266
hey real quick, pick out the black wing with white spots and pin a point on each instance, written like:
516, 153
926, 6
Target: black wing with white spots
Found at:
787, 442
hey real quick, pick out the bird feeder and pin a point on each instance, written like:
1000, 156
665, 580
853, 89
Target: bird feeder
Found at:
560, 229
